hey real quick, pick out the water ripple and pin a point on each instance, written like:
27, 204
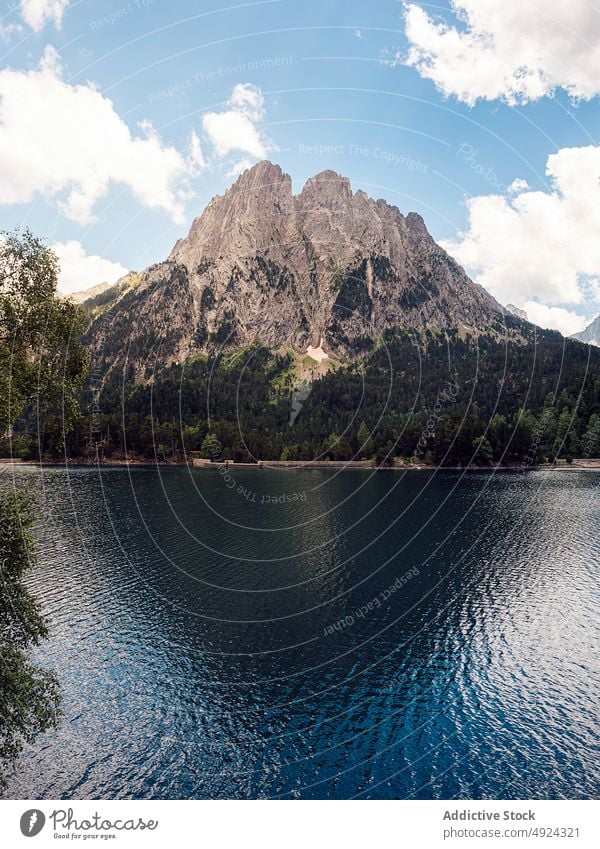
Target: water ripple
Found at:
209, 646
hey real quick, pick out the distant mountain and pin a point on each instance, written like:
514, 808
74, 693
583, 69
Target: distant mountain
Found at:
85, 294
591, 334
97, 303
104, 293
513, 310
328, 268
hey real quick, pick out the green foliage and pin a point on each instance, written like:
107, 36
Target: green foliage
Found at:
225, 334
353, 294
211, 448
590, 441
99, 304
269, 275
365, 443
42, 361
29, 696
42, 365
515, 403
207, 299
483, 452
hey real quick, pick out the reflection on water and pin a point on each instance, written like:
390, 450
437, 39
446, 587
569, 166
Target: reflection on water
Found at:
317, 635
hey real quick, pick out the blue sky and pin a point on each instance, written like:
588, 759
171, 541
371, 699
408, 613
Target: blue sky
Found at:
119, 121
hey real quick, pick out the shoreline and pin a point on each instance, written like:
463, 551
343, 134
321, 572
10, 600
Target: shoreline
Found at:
319, 465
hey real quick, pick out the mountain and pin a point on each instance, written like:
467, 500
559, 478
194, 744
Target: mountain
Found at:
104, 293
328, 268
92, 292
591, 334
98, 298
281, 324
513, 310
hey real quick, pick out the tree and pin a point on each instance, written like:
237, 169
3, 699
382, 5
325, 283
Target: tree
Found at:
384, 455
566, 442
328, 447
42, 361
499, 435
29, 696
483, 451
365, 442
590, 441
190, 436
42, 365
211, 448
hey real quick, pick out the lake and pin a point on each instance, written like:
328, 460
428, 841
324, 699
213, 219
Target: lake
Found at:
317, 634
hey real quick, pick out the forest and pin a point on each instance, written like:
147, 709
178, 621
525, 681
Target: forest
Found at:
432, 398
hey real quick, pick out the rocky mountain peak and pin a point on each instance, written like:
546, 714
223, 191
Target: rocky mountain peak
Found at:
325, 266
325, 187
263, 178
591, 334
513, 310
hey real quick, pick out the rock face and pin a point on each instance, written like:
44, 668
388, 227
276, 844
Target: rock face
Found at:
327, 267
513, 310
591, 334
86, 294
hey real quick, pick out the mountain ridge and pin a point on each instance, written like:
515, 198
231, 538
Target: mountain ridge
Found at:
591, 334
327, 267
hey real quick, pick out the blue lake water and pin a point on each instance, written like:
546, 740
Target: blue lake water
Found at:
316, 634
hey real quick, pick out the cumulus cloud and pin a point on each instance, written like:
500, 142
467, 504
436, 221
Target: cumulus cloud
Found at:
8, 30
522, 51
239, 168
518, 185
235, 129
196, 155
565, 321
41, 147
79, 270
247, 98
539, 247
37, 12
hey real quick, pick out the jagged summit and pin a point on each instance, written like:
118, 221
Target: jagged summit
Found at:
591, 334
327, 184
261, 263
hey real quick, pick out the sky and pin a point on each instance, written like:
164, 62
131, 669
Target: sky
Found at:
120, 120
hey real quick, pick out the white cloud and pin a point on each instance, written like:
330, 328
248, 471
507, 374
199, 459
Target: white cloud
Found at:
42, 149
233, 131
37, 12
79, 271
236, 129
538, 244
68, 142
591, 288
196, 155
248, 98
8, 30
517, 186
239, 168
534, 246
521, 50
565, 321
